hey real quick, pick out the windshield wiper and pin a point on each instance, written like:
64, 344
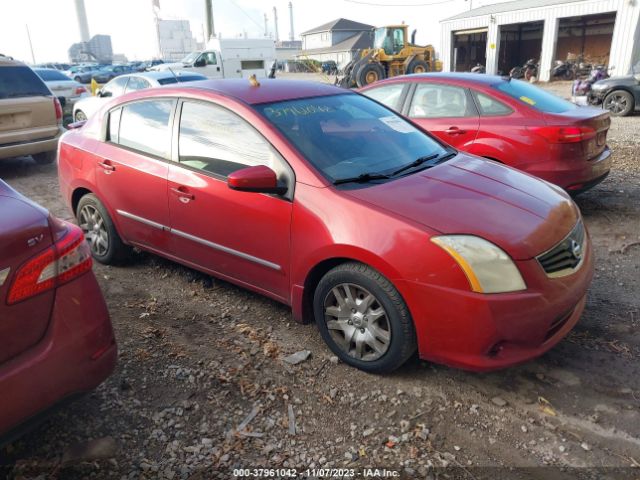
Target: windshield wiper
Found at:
422, 160
362, 178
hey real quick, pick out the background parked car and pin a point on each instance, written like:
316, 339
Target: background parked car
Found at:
30, 115
109, 73
620, 95
82, 74
56, 339
68, 91
507, 120
129, 83
329, 67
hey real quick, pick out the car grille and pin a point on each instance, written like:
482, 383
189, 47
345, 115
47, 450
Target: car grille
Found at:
566, 257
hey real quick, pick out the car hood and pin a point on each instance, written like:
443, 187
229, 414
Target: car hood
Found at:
628, 80
523, 215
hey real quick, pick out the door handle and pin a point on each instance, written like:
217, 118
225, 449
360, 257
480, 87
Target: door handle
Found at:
183, 194
107, 167
454, 131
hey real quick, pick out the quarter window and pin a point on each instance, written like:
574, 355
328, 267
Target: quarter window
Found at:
217, 141
440, 101
144, 126
389, 95
115, 87
137, 83
490, 107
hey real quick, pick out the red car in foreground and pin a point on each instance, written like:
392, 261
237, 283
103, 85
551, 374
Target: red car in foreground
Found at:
329, 202
507, 120
55, 334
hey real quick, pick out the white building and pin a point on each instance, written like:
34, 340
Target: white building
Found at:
175, 39
504, 35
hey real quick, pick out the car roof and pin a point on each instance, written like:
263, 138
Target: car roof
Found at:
269, 90
9, 61
464, 76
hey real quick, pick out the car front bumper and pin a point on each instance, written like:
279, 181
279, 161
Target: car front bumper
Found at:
484, 332
77, 354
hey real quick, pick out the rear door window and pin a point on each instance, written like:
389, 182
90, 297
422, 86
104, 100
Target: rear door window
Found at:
115, 87
144, 126
534, 97
20, 81
388, 95
490, 107
440, 101
52, 76
136, 83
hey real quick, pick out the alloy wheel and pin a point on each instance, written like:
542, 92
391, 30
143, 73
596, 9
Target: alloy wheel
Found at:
616, 103
357, 322
95, 231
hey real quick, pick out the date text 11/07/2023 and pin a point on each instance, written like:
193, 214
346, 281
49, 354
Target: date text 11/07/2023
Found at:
315, 473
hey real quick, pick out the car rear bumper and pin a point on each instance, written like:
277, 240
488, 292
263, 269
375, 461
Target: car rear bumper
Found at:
574, 175
77, 354
484, 332
30, 147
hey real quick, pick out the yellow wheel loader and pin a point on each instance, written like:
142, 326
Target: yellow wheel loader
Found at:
392, 54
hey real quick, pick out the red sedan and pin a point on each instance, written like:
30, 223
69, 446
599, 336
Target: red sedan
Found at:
333, 204
56, 339
507, 120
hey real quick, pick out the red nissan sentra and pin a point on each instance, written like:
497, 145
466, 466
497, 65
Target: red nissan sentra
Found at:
507, 120
56, 339
333, 204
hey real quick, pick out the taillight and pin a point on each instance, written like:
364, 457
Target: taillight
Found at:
570, 134
58, 107
66, 260
80, 90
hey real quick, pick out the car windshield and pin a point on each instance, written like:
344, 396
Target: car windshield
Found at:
19, 81
534, 97
52, 76
191, 57
349, 135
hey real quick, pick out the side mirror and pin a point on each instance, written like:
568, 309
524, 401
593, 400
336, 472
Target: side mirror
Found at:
259, 179
104, 93
201, 62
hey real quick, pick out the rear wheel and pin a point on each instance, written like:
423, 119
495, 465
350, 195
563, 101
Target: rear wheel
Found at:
418, 66
363, 319
619, 103
106, 245
78, 79
44, 158
369, 73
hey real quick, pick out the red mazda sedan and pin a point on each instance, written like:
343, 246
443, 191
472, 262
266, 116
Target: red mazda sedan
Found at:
56, 339
510, 121
329, 202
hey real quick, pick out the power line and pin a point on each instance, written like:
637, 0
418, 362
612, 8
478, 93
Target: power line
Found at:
233, 2
398, 4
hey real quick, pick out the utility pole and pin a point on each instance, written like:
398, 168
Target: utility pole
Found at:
275, 23
266, 26
210, 29
33, 57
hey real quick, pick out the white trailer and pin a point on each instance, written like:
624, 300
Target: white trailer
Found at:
229, 58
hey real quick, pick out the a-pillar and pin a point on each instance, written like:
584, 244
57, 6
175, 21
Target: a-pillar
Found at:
549, 41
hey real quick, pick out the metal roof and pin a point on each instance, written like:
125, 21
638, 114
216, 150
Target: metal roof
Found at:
339, 24
507, 7
358, 41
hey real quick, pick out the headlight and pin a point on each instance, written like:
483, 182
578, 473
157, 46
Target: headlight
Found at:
598, 86
487, 267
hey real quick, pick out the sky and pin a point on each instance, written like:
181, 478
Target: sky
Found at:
53, 26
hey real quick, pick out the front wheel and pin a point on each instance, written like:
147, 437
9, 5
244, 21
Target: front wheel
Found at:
369, 73
619, 103
363, 319
106, 245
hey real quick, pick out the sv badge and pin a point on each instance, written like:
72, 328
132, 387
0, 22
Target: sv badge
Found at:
33, 241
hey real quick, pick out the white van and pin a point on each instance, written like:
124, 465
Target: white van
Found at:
229, 58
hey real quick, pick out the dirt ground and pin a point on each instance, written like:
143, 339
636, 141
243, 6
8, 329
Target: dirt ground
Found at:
197, 356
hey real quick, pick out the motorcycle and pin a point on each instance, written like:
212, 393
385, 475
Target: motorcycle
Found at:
527, 71
581, 88
564, 70
479, 68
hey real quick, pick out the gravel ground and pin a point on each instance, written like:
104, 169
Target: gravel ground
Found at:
202, 386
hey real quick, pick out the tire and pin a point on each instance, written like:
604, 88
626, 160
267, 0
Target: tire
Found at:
569, 74
44, 158
78, 79
619, 102
369, 73
391, 333
80, 116
418, 66
89, 213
